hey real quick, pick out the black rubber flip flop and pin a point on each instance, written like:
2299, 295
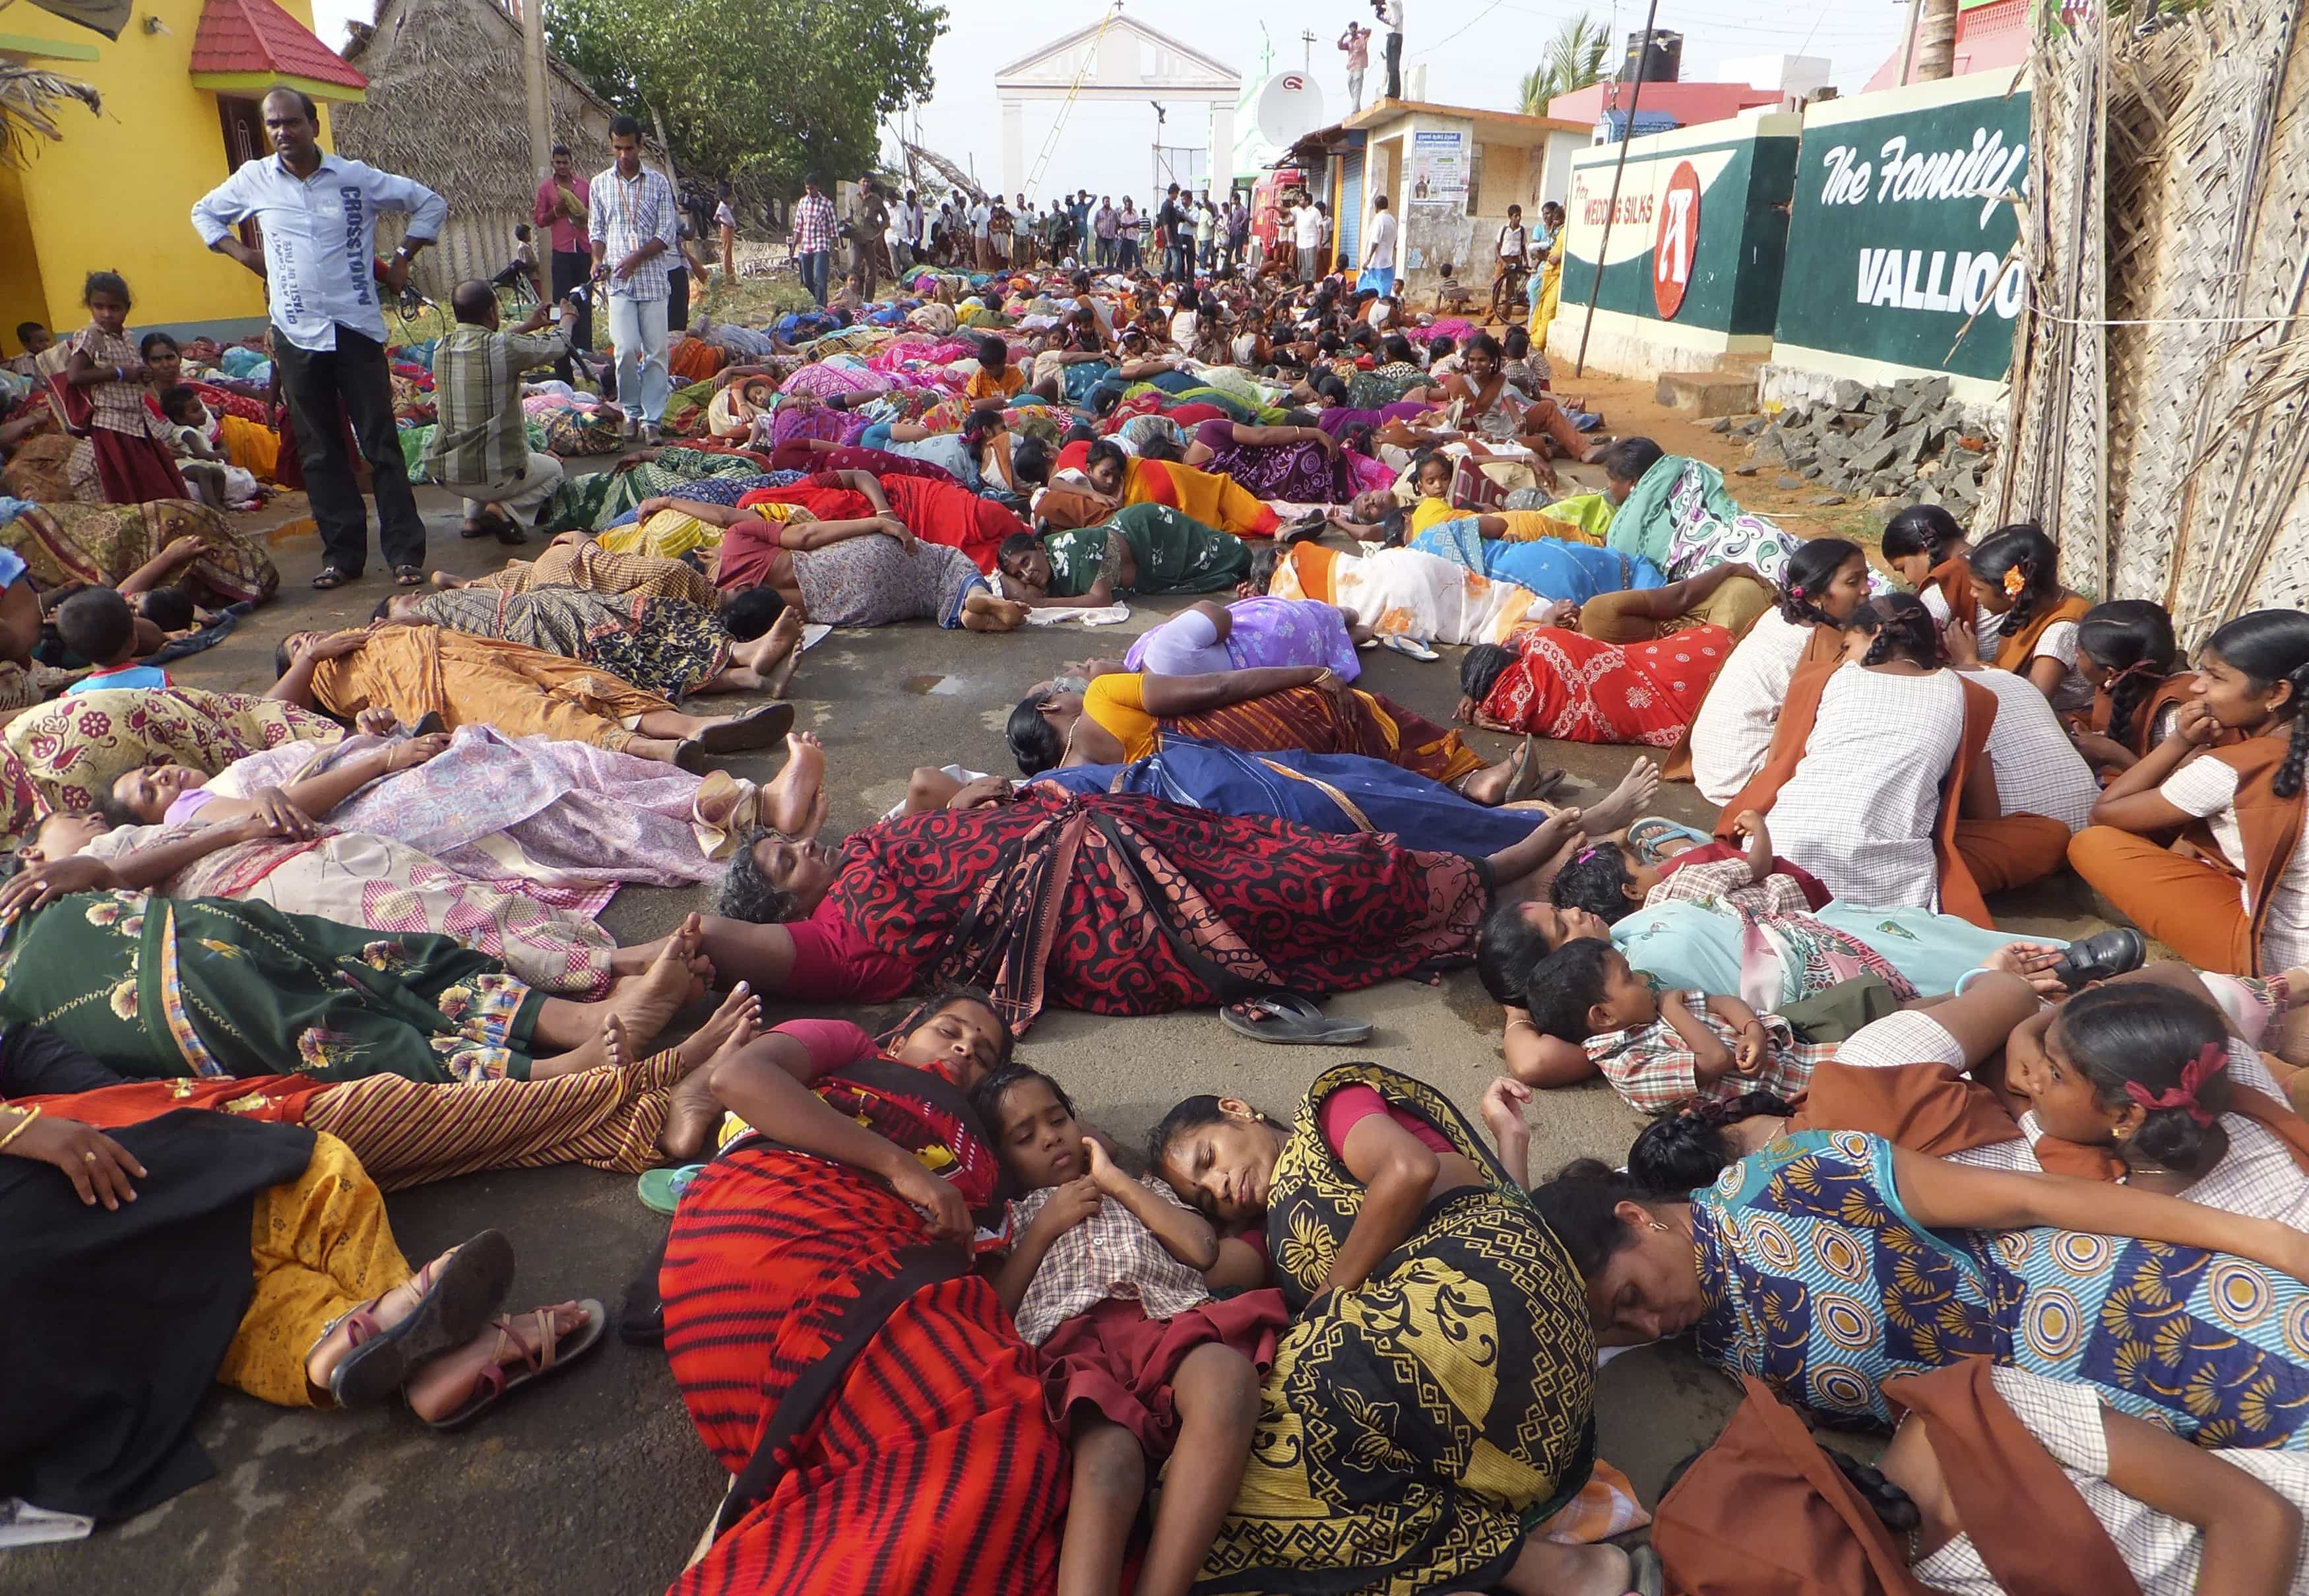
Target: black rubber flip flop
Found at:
335, 577
756, 728
690, 754
470, 1288
429, 725
1292, 1021
408, 576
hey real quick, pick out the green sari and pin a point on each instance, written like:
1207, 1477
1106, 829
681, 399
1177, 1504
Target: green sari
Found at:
1413, 1430
1177, 553
590, 503
206, 986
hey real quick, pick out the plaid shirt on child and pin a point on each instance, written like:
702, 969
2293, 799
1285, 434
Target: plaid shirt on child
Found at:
1654, 1069
1111, 1254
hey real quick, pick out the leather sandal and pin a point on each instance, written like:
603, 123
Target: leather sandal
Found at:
455, 1296
551, 1352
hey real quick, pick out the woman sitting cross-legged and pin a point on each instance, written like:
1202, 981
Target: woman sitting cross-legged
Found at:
1124, 715
417, 671
145, 1291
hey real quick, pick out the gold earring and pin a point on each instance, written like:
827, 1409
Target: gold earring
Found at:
1658, 1227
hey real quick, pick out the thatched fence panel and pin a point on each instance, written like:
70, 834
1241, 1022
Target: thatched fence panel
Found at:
2158, 410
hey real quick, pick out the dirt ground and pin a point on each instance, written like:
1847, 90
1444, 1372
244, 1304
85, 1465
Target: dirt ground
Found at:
594, 1483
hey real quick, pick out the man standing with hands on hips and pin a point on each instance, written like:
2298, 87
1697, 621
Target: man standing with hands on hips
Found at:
318, 214
636, 224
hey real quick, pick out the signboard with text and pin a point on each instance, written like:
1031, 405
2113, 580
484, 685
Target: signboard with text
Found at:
1902, 230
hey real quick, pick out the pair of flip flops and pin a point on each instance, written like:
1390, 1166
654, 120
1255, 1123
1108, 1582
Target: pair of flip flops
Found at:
1290, 1020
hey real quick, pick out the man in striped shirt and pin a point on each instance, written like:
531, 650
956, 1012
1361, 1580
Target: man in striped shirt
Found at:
635, 222
481, 445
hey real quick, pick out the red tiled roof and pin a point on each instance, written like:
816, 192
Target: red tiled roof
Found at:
258, 36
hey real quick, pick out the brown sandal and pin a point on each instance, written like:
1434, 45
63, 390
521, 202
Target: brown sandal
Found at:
552, 1352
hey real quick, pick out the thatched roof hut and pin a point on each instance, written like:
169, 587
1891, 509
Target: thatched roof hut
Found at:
2159, 426
446, 106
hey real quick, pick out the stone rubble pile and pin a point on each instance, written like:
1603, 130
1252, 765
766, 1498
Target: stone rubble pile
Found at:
1910, 441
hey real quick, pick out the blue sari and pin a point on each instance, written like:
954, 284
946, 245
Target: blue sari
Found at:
1819, 1282
1551, 568
1339, 794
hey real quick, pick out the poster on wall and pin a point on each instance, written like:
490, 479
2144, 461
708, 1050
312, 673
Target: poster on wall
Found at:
1438, 171
1903, 228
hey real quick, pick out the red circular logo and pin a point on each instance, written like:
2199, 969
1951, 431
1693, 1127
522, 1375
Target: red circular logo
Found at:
1676, 245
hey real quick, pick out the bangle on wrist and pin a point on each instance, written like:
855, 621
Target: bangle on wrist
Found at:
24, 1118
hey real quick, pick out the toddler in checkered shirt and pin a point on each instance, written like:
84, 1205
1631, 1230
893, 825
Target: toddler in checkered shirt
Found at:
1106, 1279
1657, 1048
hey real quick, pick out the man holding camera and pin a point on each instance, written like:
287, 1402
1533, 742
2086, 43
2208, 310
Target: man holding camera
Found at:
480, 448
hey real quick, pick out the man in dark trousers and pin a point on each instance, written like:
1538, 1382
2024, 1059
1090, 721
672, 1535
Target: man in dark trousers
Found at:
318, 213
1390, 17
562, 201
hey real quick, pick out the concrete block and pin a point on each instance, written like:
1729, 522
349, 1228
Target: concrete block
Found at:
1707, 393
1787, 484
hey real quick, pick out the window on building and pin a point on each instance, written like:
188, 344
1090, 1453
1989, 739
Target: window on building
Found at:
244, 141
1476, 182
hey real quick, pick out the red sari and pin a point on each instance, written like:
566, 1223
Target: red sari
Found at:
946, 512
884, 1419
1576, 688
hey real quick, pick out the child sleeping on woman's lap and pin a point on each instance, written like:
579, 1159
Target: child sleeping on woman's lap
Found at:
1106, 1277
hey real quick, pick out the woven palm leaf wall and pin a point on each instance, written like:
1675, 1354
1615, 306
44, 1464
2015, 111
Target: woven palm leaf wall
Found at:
2171, 188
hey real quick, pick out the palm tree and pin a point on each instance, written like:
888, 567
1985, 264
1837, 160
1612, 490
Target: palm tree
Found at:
1573, 59
1935, 43
29, 102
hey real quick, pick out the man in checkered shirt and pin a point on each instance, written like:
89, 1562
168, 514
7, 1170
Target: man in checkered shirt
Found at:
813, 236
634, 225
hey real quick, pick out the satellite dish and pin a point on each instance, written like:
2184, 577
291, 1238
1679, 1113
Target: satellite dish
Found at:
1290, 108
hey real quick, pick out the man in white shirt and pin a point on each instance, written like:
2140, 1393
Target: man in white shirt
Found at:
981, 215
1390, 17
1307, 237
317, 215
635, 225
1378, 249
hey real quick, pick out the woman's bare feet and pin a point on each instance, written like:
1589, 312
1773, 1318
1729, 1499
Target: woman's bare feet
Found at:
784, 802
1625, 802
443, 579
1543, 847
637, 960
1519, 775
679, 974
984, 612
695, 1110
513, 1344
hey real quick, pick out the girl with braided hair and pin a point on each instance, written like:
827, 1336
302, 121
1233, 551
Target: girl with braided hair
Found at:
1872, 761
2244, 803
1827, 579
1927, 550
2016, 578
2126, 649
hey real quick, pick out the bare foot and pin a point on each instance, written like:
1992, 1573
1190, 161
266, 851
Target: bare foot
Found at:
784, 803
984, 612
635, 959
453, 1379
1625, 802
694, 1110
647, 1001
443, 579
740, 1010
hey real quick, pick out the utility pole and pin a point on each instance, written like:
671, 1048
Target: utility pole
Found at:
532, 75
1309, 37
1619, 170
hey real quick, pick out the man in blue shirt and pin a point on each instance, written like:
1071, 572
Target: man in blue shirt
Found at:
318, 214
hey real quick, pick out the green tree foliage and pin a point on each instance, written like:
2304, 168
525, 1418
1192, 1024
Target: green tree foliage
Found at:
760, 90
1574, 59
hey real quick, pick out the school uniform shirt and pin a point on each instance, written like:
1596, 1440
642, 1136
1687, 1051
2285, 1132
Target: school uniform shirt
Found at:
2162, 1553
2207, 788
1861, 809
1110, 1253
1986, 624
2038, 770
2072, 694
1514, 242
320, 239
131, 675
1733, 731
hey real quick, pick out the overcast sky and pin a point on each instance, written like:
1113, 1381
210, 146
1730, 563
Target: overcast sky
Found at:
1475, 52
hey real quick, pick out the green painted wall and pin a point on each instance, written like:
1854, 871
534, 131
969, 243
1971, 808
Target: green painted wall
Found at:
1898, 233
1734, 284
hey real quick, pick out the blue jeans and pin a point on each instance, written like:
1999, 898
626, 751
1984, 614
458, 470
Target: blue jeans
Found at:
814, 266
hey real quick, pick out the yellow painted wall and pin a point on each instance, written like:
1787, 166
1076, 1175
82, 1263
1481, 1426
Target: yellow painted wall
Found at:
117, 193
22, 297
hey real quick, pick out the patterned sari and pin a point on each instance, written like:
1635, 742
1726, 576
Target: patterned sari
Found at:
1126, 905
663, 646
1309, 718
160, 987
589, 503
98, 545
852, 1372
1576, 688
1414, 1430
1819, 1283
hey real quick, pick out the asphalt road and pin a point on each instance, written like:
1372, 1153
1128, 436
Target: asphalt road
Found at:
594, 1484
